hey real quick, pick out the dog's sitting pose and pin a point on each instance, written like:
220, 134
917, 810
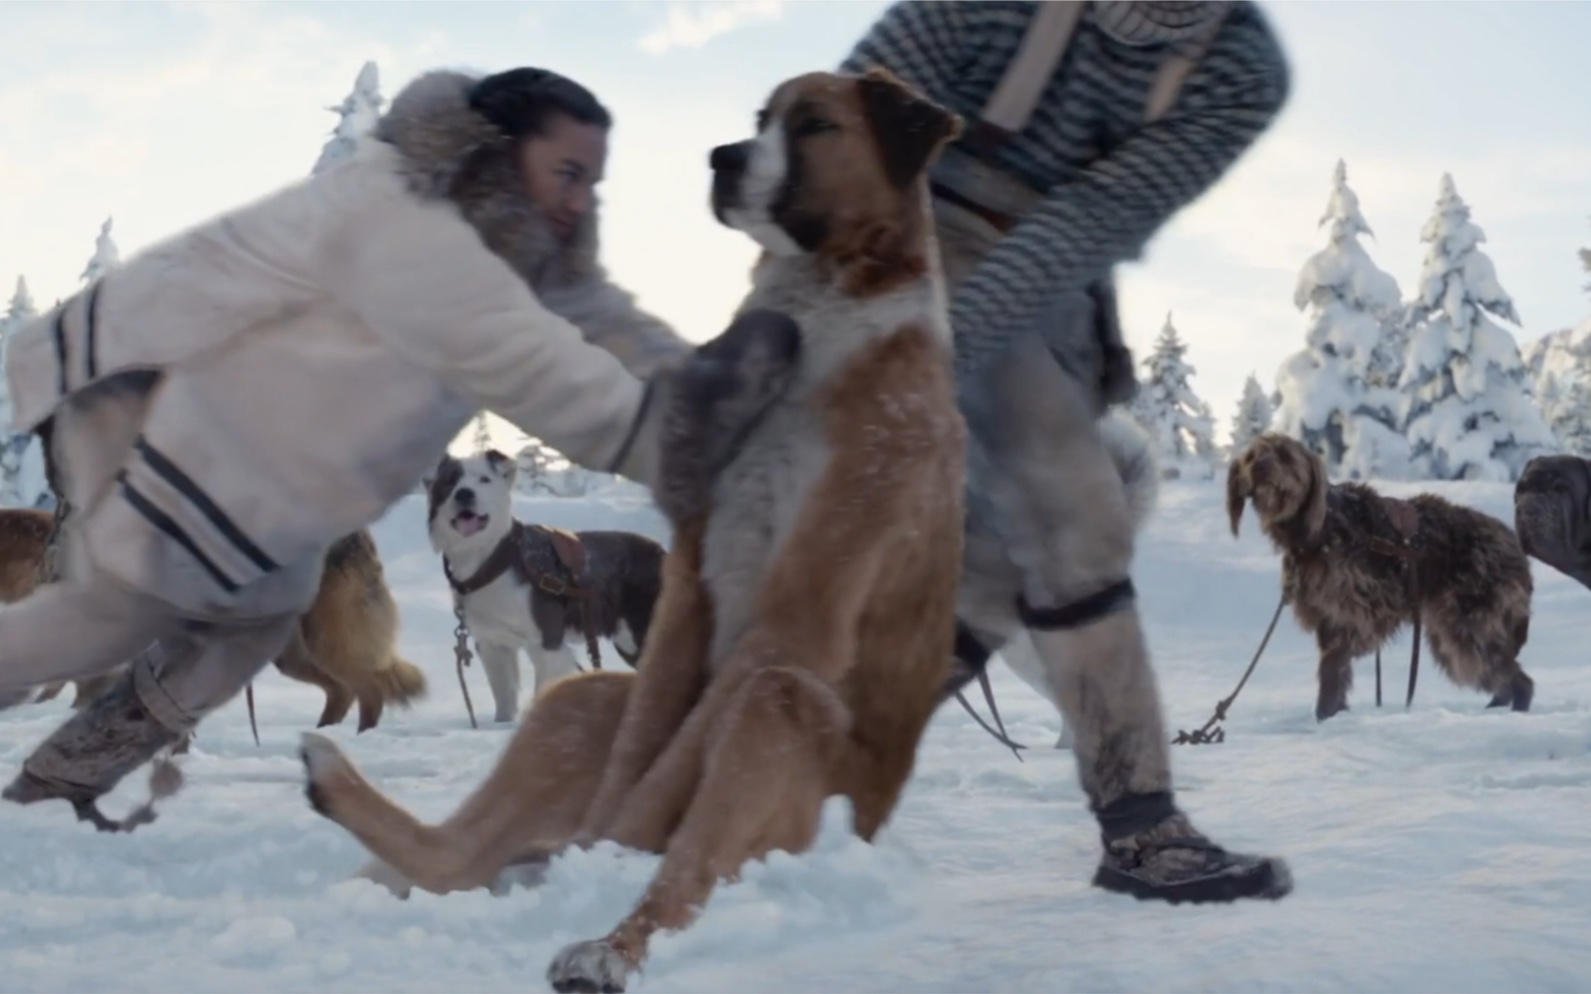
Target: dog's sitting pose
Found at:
1552, 514
804, 630
532, 587
1357, 566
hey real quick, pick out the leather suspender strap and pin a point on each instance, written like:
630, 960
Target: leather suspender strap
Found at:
1031, 69
1039, 54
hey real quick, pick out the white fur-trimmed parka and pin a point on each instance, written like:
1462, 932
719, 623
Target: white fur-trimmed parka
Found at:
297, 364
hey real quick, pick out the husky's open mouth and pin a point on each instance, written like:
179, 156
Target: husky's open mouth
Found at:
467, 522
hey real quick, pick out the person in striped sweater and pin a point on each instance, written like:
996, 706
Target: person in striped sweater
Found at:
1033, 210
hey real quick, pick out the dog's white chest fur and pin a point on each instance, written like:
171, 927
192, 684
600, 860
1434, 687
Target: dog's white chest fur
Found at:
759, 497
500, 612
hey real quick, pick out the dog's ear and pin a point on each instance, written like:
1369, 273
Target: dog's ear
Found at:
908, 127
1236, 492
1314, 507
501, 465
438, 471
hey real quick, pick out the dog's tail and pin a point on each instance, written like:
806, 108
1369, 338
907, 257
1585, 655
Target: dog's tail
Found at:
401, 682
1130, 450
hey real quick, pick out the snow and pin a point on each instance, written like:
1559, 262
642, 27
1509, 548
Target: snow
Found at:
1468, 410
1178, 422
356, 117
105, 257
1445, 848
22, 478
1336, 391
1253, 417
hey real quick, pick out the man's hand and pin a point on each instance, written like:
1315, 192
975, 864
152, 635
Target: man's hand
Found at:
712, 402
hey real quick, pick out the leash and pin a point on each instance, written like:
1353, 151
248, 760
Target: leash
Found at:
988, 696
461, 654
1209, 734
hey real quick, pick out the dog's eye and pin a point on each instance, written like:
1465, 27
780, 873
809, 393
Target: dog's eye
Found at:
486, 479
809, 126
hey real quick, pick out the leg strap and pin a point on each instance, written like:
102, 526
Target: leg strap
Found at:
1132, 814
1117, 597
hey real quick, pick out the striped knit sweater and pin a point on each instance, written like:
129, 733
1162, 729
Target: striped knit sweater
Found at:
1110, 181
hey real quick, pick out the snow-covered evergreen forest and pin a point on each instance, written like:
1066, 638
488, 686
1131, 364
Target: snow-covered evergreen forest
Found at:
1428, 385
1431, 383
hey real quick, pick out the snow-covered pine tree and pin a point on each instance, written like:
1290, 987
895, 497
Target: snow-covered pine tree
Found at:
105, 255
1585, 261
1337, 393
1566, 407
1468, 411
17, 483
1253, 417
483, 432
1178, 422
357, 115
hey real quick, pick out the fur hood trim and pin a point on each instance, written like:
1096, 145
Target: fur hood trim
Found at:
450, 152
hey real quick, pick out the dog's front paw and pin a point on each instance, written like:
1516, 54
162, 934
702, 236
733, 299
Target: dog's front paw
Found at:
325, 769
715, 399
591, 967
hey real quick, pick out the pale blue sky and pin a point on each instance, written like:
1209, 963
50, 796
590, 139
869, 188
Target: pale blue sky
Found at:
164, 113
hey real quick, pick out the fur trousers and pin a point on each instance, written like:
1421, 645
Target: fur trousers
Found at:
1048, 521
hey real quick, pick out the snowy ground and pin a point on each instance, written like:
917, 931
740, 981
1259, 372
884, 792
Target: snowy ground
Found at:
1444, 849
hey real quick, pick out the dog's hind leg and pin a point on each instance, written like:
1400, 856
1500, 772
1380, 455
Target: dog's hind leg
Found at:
669, 681
770, 760
534, 797
297, 663
371, 704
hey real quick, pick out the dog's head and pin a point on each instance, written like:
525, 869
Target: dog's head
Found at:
469, 502
1552, 504
1286, 482
837, 167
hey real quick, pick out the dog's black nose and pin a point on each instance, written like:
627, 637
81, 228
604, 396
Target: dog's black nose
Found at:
728, 158
464, 495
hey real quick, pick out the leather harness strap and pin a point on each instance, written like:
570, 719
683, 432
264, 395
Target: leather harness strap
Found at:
513, 553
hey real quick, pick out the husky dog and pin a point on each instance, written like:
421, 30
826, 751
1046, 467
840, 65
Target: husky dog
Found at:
533, 587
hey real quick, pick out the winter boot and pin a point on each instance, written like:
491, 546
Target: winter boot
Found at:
1174, 862
90, 754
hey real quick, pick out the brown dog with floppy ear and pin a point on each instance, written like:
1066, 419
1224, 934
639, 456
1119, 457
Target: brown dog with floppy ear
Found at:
1357, 566
805, 623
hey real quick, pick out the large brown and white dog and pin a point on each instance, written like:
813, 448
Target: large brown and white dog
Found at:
1552, 514
532, 587
807, 613
1347, 557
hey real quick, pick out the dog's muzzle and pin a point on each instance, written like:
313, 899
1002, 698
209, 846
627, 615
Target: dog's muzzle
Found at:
728, 163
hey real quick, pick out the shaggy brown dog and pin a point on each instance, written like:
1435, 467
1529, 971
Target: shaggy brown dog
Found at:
1347, 553
24, 533
806, 617
1552, 514
346, 642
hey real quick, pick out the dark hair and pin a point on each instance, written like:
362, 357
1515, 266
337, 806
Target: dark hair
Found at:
520, 101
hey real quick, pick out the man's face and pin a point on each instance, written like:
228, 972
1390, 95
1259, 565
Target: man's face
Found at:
561, 168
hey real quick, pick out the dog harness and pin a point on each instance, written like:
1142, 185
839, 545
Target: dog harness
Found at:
513, 553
